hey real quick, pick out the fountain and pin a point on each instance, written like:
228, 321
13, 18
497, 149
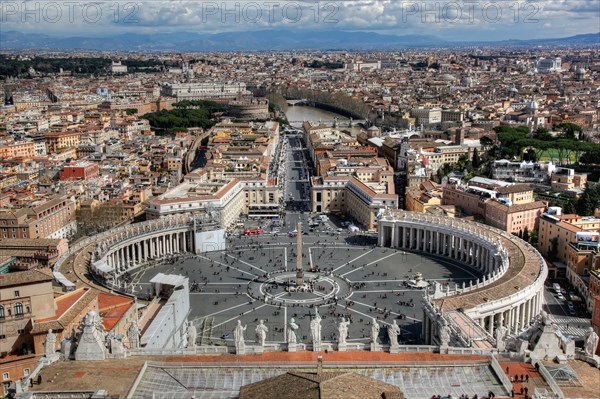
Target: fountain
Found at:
418, 281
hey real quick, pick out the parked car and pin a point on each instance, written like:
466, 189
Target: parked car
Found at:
570, 305
560, 296
556, 287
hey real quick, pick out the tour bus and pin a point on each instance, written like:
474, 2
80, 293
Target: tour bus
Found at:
253, 232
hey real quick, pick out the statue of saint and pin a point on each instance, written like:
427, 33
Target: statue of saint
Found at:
50, 343
261, 333
591, 342
544, 317
393, 332
238, 336
315, 328
444, 334
374, 330
291, 332
500, 335
343, 331
133, 334
191, 335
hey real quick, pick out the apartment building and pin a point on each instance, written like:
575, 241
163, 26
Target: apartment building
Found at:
426, 116
17, 149
510, 207
81, 170
204, 90
557, 231
52, 218
348, 194
516, 218
231, 199
426, 195
583, 263
24, 297
32, 253
522, 172
565, 179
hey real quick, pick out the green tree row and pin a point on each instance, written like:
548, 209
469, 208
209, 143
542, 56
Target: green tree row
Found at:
180, 118
570, 143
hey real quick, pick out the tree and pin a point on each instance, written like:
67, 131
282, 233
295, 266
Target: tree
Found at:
542, 134
526, 235
485, 141
476, 161
553, 253
530, 155
569, 130
589, 200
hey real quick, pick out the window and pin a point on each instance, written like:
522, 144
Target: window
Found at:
5, 376
18, 309
17, 294
21, 331
1, 312
26, 372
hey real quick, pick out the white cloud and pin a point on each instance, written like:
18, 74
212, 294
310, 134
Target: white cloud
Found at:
456, 19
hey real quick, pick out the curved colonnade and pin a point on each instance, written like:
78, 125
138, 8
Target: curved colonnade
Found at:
125, 248
510, 293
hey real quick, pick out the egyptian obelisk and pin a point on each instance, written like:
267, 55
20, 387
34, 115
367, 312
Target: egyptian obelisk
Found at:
299, 274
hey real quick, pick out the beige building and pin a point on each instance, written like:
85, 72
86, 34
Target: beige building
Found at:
564, 179
515, 218
56, 141
34, 252
53, 218
361, 201
231, 199
426, 195
556, 231
24, 296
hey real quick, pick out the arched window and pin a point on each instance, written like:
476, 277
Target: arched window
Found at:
1, 312
18, 309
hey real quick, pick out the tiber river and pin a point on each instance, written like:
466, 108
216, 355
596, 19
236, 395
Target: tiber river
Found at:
299, 113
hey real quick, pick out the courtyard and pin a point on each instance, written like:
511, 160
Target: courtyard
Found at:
350, 276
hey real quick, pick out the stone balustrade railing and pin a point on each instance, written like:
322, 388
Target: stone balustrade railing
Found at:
117, 235
522, 294
481, 234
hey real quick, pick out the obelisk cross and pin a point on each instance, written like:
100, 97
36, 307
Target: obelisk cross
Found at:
299, 274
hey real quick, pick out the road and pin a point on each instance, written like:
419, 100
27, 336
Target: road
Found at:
572, 326
295, 163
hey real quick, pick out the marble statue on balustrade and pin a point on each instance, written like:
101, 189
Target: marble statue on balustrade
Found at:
444, 334
548, 343
343, 331
91, 344
261, 333
374, 331
393, 331
291, 332
238, 337
192, 335
114, 344
50, 349
591, 342
133, 335
500, 335
315, 330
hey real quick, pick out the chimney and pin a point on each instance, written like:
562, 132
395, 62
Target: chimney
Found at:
319, 365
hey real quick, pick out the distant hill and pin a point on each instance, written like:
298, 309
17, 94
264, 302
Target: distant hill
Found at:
265, 40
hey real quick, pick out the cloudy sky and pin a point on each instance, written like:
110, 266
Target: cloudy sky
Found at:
448, 19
